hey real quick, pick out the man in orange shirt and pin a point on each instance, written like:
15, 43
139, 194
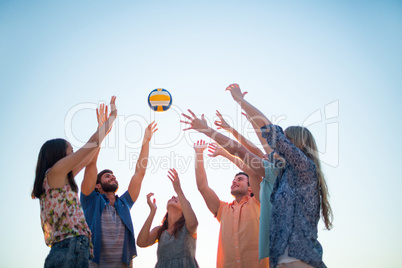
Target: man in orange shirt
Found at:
239, 220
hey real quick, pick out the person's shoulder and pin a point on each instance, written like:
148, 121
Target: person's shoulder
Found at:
226, 204
126, 198
253, 200
223, 206
90, 201
93, 195
124, 195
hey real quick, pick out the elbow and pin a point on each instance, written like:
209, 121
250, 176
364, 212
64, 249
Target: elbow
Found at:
141, 244
192, 228
261, 121
201, 187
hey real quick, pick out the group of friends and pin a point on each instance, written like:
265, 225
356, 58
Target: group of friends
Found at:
279, 197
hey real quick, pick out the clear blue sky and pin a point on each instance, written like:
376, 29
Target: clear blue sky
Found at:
334, 66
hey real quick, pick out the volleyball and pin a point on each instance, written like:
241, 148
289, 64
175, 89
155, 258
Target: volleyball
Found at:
160, 100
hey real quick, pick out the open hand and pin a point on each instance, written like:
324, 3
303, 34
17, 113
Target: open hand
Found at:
149, 131
174, 178
195, 123
236, 92
221, 124
200, 146
151, 204
216, 150
102, 113
113, 110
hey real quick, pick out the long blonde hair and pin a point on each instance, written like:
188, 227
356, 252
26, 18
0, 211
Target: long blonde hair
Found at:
302, 138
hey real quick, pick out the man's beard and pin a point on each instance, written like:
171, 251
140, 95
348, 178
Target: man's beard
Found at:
106, 187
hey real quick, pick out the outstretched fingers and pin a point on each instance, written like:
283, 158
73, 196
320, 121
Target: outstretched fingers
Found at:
189, 122
151, 204
150, 130
113, 110
186, 116
212, 149
219, 114
153, 127
232, 86
212, 146
173, 173
203, 119
191, 112
199, 143
149, 196
101, 114
174, 178
200, 146
97, 115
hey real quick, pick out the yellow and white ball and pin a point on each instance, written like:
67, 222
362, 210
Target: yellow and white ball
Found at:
159, 100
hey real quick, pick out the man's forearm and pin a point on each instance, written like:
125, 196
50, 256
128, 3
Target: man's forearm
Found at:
142, 161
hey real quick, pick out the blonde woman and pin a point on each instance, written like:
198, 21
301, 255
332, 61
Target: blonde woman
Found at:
299, 196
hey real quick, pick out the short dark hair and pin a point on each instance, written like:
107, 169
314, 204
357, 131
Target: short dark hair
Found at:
245, 174
248, 179
100, 174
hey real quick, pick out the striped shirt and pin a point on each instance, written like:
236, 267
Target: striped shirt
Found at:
112, 238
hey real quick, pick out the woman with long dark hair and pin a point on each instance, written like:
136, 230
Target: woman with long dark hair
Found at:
62, 217
177, 235
299, 196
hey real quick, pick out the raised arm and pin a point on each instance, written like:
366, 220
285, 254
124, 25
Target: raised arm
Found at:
188, 212
258, 117
258, 132
276, 138
91, 170
142, 162
210, 197
222, 124
146, 237
58, 173
255, 179
90, 175
232, 146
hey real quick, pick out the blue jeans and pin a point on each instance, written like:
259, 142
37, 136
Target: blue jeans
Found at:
71, 252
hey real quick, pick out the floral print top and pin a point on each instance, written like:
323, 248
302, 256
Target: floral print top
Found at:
295, 204
61, 214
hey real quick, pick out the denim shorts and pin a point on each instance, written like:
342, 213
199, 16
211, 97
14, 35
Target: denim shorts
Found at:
71, 252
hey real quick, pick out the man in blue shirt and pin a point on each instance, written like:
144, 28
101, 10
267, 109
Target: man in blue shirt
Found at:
107, 214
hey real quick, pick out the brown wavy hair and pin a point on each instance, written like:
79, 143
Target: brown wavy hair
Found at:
176, 226
302, 138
